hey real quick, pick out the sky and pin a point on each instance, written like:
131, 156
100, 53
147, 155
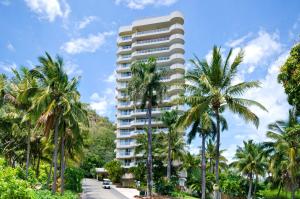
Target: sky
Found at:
84, 33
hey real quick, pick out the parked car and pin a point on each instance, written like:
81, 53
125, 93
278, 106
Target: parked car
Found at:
106, 184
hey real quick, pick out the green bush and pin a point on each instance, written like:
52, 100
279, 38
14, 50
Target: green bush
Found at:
165, 187
46, 194
233, 185
114, 170
73, 177
11, 186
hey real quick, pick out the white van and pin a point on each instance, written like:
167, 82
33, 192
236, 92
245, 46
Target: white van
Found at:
106, 183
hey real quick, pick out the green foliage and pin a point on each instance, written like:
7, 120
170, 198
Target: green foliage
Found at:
114, 170
165, 186
139, 172
289, 76
99, 144
73, 179
272, 194
233, 184
46, 194
13, 185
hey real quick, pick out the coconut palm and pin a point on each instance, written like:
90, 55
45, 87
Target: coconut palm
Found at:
284, 152
169, 119
22, 88
53, 102
204, 126
211, 157
71, 130
216, 92
145, 87
250, 161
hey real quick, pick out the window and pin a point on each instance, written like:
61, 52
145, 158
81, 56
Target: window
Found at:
152, 31
127, 37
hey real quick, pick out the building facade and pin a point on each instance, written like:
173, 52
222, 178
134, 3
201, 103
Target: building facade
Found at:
159, 37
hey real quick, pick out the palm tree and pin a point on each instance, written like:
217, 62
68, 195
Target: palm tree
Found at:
71, 129
145, 87
204, 126
283, 150
211, 156
213, 80
53, 102
251, 162
170, 119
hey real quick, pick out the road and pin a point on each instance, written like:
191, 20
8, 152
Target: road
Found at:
92, 189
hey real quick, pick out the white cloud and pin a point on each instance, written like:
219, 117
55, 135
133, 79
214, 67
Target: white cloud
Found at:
87, 44
230, 152
86, 21
141, 4
10, 47
72, 69
237, 42
103, 104
261, 47
7, 67
111, 78
271, 95
294, 31
49, 9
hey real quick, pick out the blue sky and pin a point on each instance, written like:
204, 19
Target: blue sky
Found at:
84, 33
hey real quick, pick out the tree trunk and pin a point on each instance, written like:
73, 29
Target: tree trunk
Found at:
28, 154
169, 156
250, 187
49, 175
280, 186
255, 185
293, 191
149, 159
37, 171
211, 167
55, 155
62, 170
203, 167
217, 192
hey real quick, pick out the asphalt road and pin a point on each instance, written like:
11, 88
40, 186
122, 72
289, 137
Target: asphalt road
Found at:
92, 189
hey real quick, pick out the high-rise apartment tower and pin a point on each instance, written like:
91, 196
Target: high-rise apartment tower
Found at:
160, 37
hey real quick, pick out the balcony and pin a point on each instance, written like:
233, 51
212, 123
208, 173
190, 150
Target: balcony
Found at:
124, 40
175, 89
126, 145
128, 175
125, 67
121, 86
123, 76
166, 40
124, 58
121, 155
175, 28
124, 49
121, 96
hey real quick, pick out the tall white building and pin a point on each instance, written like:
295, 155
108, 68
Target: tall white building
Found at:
160, 37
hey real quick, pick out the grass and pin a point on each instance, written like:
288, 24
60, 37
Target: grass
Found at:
272, 194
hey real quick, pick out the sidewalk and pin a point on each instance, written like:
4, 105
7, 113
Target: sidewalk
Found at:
128, 192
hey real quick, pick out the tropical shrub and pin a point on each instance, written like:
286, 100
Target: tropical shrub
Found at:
46, 194
165, 187
73, 177
114, 170
11, 185
233, 185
